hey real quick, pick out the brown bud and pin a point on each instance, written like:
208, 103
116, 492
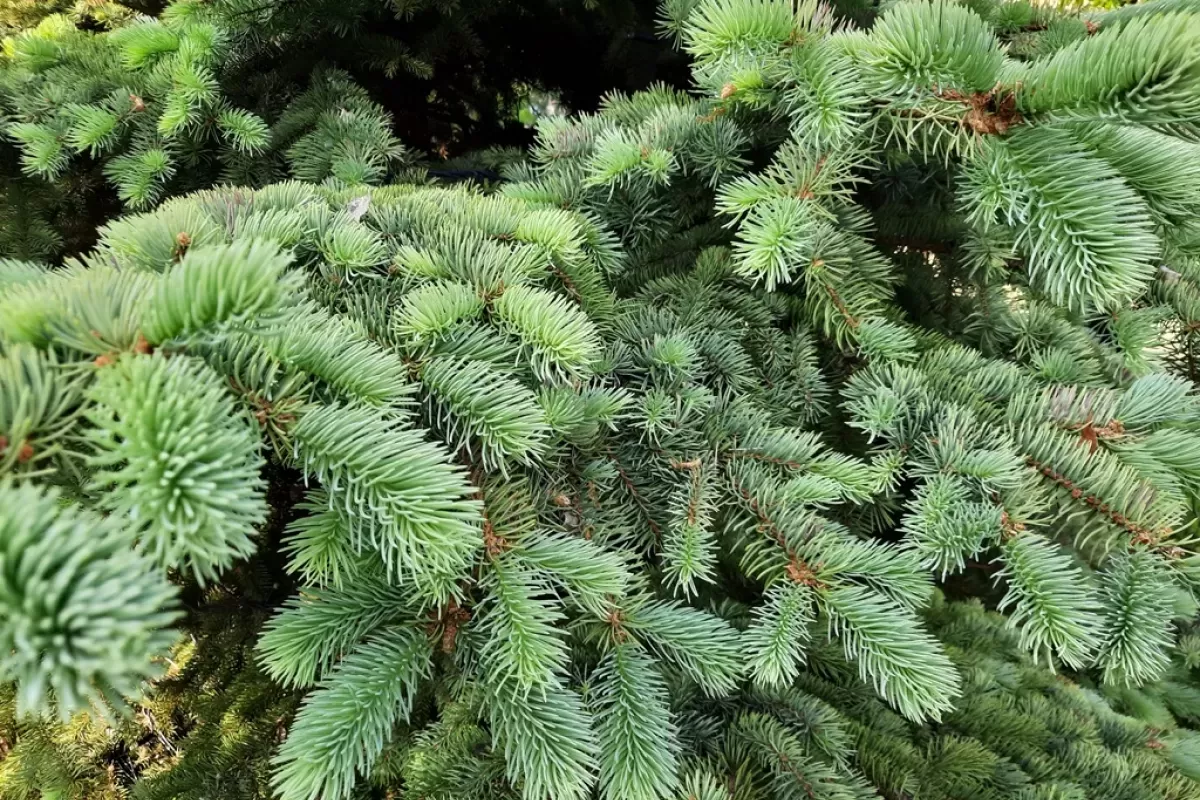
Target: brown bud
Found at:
103, 361
136, 103
26, 451
728, 91
182, 240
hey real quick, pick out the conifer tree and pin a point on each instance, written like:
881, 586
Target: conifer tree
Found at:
636, 476
120, 106
984, 141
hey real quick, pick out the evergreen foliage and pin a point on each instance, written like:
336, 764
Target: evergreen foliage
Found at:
645, 473
117, 107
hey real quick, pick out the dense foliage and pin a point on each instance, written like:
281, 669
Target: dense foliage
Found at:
109, 106
829, 431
